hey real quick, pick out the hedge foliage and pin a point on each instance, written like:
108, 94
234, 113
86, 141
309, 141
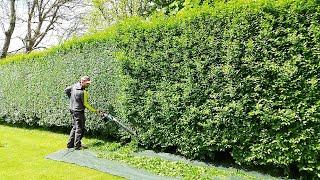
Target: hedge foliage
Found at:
32, 90
241, 77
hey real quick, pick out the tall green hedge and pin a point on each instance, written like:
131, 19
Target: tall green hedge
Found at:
241, 77
32, 90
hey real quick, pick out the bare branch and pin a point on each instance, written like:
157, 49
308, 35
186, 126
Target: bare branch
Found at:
10, 30
15, 51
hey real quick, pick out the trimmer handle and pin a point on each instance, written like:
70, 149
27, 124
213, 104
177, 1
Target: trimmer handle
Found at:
106, 117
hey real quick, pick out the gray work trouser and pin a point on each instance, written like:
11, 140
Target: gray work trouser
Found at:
78, 128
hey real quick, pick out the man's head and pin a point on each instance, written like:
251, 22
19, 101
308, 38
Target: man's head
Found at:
85, 81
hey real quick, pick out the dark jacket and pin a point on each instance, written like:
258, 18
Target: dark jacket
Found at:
75, 94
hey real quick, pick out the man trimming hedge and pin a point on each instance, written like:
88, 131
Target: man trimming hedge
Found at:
78, 96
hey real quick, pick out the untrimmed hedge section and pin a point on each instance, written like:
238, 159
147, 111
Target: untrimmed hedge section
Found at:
240, 77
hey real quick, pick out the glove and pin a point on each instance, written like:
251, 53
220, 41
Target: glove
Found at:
100, 112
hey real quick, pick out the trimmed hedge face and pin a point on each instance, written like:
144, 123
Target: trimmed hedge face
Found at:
243, 80
32, 91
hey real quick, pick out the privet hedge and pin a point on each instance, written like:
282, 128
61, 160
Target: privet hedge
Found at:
241, 77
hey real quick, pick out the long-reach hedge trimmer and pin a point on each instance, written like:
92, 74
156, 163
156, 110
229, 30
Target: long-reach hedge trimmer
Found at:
107, 117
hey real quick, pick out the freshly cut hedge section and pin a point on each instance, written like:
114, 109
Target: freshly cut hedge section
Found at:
32, 90
240, 77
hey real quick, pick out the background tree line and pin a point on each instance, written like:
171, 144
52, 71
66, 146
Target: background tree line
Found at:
27, 25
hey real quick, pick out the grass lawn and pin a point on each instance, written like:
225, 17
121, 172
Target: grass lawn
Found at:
23, 151
22, 156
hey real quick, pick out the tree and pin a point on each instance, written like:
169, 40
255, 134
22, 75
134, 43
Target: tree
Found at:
12, 22
72, 23
43, 16
106, 12
39, 23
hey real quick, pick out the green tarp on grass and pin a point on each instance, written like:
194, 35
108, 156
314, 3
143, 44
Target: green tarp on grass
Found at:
88, 159
177, 158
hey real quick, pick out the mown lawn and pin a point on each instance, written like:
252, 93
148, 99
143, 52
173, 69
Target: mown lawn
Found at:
23, 151
22, 156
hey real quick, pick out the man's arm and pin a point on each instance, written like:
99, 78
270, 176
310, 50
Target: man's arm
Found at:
68, 91
86, 103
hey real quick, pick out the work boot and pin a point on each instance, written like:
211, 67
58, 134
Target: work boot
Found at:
82, 146
79, 148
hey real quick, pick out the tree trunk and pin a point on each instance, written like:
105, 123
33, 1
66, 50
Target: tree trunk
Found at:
10, 30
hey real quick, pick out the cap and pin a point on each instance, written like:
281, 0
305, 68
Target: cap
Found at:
86, 78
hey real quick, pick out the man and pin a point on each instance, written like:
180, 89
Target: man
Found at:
78, 96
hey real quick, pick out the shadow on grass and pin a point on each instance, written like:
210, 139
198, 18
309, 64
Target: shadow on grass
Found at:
55, 129
59, 130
